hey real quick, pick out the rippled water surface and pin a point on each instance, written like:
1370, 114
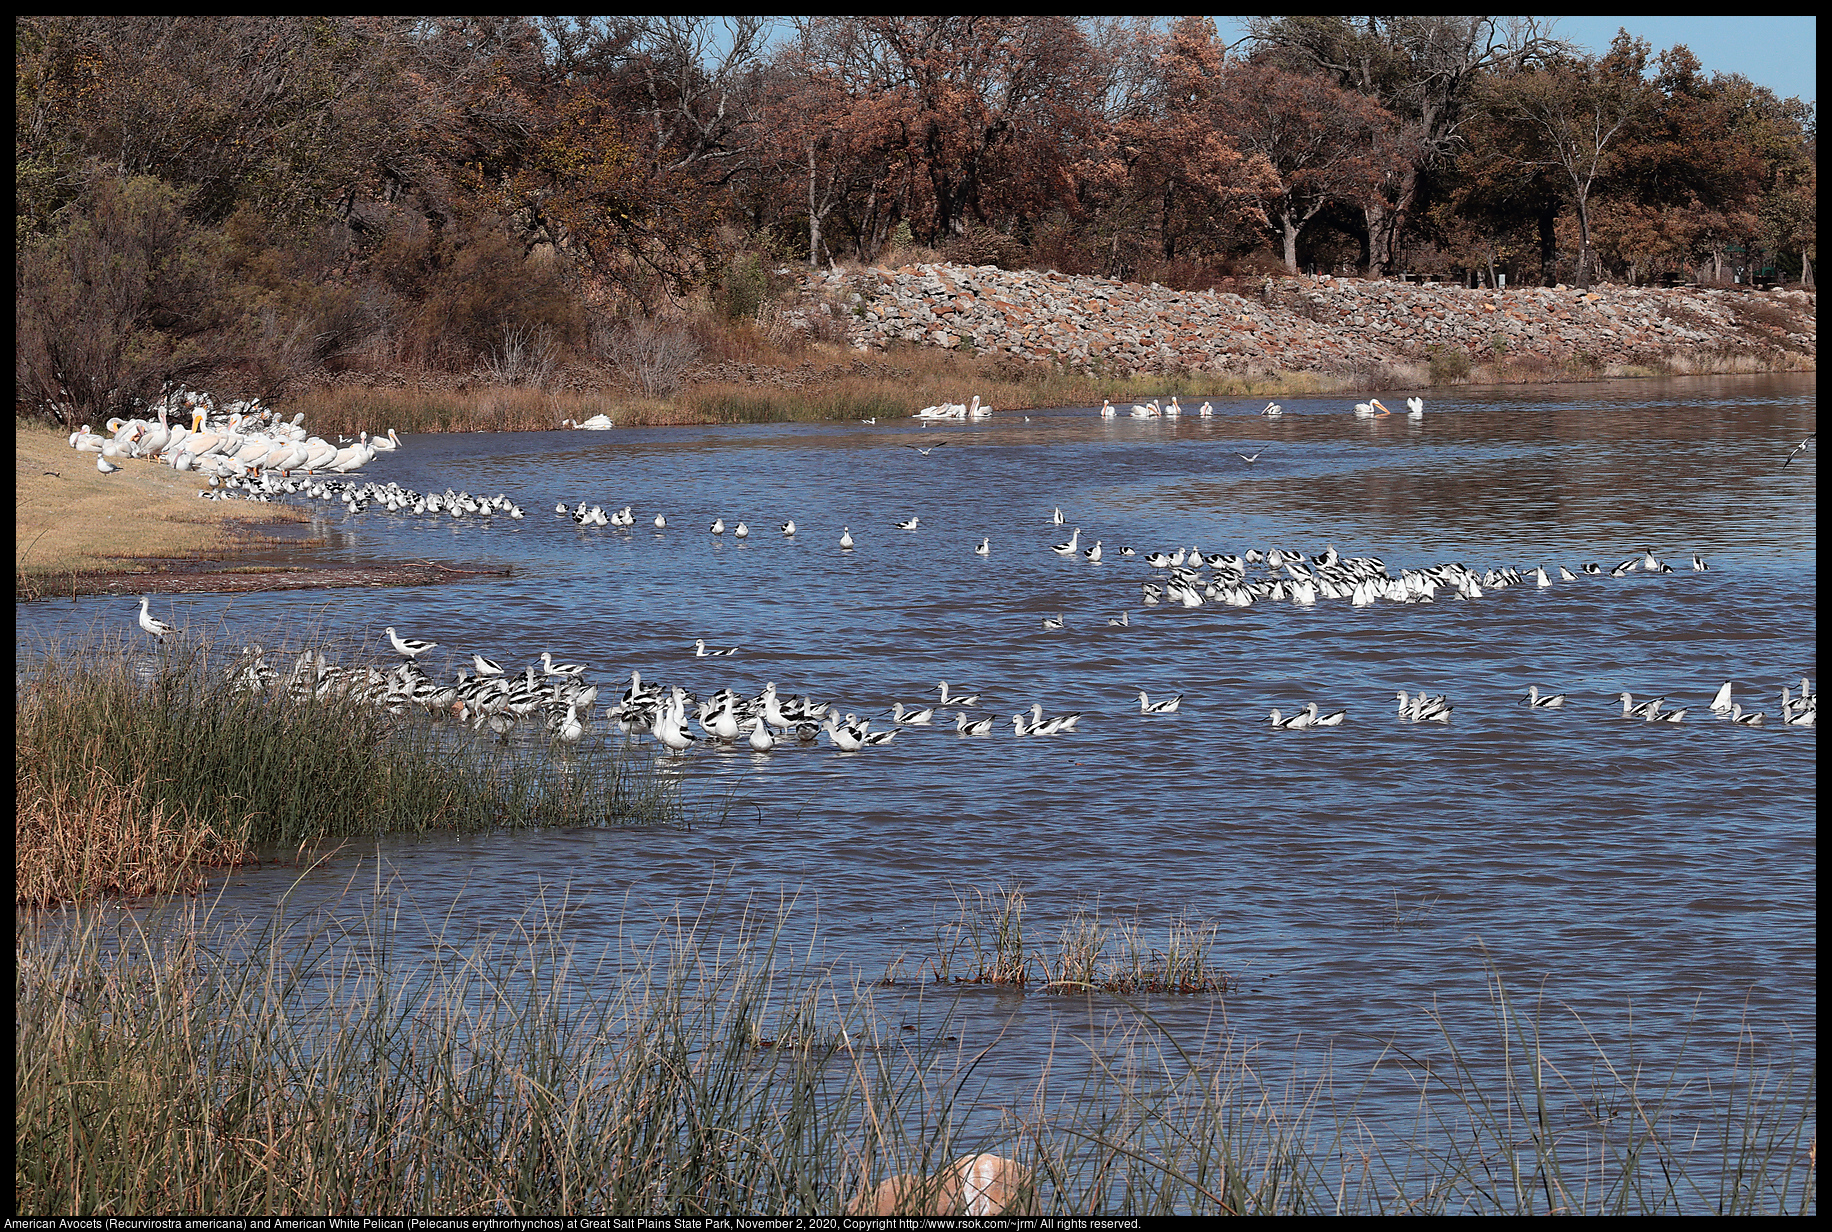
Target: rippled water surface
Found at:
1648, 876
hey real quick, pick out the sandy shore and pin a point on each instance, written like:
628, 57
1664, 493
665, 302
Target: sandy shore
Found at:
144, 530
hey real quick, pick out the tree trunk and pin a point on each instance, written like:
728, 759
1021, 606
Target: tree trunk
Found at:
1585, 258
1290, 229
1806, 270
814, 217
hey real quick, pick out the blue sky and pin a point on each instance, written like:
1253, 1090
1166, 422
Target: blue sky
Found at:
1778, 52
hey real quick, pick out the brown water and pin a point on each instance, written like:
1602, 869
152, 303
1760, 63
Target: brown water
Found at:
1657, 880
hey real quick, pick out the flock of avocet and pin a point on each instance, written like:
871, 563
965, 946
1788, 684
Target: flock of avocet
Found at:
490, 698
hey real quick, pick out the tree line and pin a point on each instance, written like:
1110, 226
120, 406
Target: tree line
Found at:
276, 192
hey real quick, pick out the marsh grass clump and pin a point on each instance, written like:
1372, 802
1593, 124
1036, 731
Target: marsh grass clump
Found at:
363, 1057
984, 943
157, 755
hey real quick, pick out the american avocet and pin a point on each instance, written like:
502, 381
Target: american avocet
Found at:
1744, 718
845, 739
718, 526
985, 548
485, 667
1720, 701
1071, 547
661, 523
550, 668
1648, 562
1638, 710
743, 531
1668, 716
1056, 516
966, 728
1539, 577
1566, 575
409, 647
909, 523
1167, 706
1061, 722
959, 699
153, 625
1543, 703
700, 651
761, 740
1698, 564
916, 718
1093, 553
846, 538
1123, 620
1052, 622
788, 528
1333, 719
1297, 722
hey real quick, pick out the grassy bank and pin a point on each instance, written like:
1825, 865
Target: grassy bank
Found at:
817, 385
295, 1069
70, 518
139, 765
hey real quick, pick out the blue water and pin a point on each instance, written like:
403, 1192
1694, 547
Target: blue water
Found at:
1657, 880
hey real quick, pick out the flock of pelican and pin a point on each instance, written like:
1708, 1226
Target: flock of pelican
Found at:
1371, 409
247, 440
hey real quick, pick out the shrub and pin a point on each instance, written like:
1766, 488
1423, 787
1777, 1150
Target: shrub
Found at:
655, 355
1449, 364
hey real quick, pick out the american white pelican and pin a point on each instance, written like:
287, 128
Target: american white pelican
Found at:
154, 626
1173, 410
597, 423
1205, 410
1415, 408
1273, 409
1371, 409
1106, 409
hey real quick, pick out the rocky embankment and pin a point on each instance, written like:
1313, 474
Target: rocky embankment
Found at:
1328, 325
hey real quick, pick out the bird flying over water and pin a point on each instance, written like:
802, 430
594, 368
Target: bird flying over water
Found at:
1799, 449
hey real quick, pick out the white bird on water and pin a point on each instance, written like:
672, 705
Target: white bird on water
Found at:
985, 548
1167, 706
1415, 408
153, 625
846, 538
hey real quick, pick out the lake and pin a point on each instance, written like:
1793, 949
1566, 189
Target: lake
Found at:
1656, 879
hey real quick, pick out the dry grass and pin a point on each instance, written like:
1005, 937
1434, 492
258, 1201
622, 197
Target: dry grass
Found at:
96, 837
69, 517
